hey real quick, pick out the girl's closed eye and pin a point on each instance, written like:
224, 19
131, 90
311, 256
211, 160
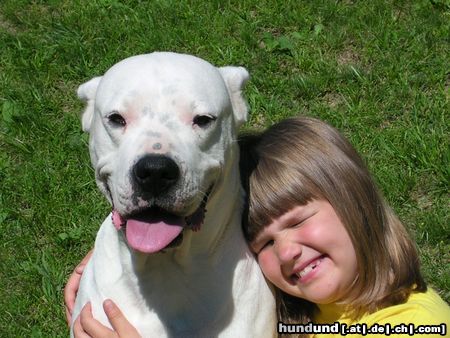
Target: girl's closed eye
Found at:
266, 245
298, 224
293, 221
260, 245
301, 221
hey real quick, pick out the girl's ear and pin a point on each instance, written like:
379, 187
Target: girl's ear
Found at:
235, 79
86, 92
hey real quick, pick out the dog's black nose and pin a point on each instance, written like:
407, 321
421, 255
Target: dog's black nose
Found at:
155, 174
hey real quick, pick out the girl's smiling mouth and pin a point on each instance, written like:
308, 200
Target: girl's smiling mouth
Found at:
305, 273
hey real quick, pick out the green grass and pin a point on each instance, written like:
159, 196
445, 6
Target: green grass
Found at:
377, 70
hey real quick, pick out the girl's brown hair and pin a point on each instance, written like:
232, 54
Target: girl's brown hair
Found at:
302, 159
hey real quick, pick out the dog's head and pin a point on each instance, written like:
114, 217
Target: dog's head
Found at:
161, 128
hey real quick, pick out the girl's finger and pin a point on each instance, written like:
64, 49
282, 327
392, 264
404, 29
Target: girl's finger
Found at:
118, 321
78, 331
92, 326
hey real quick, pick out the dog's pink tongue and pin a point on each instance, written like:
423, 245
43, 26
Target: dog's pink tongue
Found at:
150, 237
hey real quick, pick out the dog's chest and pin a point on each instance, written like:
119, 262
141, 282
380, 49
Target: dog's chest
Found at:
187, 298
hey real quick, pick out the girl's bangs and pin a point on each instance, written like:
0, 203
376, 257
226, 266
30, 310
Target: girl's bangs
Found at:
274, 192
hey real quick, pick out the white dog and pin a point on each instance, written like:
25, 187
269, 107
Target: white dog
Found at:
163, 144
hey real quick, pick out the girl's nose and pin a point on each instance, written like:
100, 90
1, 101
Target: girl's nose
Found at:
287, 250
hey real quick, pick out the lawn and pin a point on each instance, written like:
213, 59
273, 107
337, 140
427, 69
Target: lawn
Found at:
377, 70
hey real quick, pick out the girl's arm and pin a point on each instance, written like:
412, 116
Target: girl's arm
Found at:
71, 289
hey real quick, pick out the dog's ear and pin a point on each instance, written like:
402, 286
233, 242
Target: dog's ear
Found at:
86, 92
235, 79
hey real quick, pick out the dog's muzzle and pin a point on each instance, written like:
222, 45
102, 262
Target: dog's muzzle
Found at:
153, 228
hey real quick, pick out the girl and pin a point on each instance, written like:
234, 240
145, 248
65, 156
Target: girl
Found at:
325, 238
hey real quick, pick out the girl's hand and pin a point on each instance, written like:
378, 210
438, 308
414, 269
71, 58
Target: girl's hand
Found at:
86, 326
71, 289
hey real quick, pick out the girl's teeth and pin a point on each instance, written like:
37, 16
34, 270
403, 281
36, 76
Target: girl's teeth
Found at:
309, 268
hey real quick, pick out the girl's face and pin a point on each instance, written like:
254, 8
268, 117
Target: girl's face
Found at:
307, 253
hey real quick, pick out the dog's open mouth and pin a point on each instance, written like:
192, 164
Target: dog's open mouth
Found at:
155, 229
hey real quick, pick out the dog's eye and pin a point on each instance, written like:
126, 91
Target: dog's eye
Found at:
203, 120
116, 120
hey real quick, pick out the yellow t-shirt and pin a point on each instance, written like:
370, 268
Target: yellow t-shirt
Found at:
424, 314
